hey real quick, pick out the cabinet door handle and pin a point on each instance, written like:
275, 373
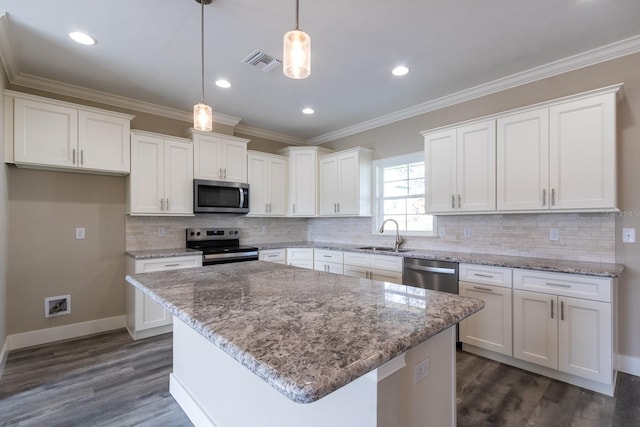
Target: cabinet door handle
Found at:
73, 155
220, 174
167, 204
82, 157
544, 197
553, 197
294, 208
453, 201
558, 285
225, 173
459, 202
552, 309
561, 310
480, 288
335, 208
266, 207
488, 276
161, 204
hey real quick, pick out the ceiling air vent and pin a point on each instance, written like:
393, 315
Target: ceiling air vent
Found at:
258, 58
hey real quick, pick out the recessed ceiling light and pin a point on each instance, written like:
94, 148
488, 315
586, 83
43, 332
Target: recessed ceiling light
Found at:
308, 110
400, 70
82, 38
225, 84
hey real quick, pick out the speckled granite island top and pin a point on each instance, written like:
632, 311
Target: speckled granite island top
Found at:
306, 333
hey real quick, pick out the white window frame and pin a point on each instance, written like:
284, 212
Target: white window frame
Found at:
378, 166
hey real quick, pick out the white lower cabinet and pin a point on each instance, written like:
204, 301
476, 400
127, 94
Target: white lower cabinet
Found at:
276, 256
145, 317
300, 257
376, 267
328, 260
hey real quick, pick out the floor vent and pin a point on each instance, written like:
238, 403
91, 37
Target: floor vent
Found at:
258, 58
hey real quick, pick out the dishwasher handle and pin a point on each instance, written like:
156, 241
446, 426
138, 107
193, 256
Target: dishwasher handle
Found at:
439, 270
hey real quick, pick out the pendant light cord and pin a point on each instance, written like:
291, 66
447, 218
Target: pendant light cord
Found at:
297, 14
202, 45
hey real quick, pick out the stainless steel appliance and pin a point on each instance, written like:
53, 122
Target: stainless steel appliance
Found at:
428, 274
219, 245
220, 197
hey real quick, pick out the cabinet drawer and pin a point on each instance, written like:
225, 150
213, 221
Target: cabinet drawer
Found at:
571, 285
294, 254
273, 255
386, 262
358, 259
326, 255
488, 275
308, 264
163, 264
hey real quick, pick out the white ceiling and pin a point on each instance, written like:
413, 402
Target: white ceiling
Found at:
149, 50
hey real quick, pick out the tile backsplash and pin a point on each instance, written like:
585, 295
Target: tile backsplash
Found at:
582, 237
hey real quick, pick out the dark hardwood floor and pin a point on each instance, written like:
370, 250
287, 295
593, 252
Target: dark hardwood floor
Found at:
110, 380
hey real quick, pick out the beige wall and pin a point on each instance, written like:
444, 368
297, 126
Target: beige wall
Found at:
3, 225
45, 258
262, 144
404, 137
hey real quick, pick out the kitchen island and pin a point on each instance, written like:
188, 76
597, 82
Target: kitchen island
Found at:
261, 344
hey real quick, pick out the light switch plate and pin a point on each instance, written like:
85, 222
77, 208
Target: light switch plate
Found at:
441, 232
79, 233
554, 234
629, 235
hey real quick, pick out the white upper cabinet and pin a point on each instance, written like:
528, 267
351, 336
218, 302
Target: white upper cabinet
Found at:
345, 183
268, 179
523, 161
219, 157
303, 179
460, 165
52, 134
161, 179
560, 157
582, 154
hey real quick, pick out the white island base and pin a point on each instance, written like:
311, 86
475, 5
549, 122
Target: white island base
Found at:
213, 389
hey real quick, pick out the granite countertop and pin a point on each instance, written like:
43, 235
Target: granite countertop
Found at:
543, 264
163, 253
306, 333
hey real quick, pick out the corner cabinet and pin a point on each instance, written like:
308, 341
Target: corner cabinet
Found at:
51, 134
145, 317
460, 167
219, 157
345, 183
268, 180
161, 179
303, 179
561, 157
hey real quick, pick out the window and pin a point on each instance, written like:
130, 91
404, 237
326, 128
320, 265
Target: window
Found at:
400, 189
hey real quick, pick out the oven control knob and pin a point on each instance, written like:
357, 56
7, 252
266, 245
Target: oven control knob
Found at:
192, 233
198, 233
235, 232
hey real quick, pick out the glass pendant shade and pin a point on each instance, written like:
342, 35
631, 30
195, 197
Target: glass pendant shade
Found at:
202, 117
297, 54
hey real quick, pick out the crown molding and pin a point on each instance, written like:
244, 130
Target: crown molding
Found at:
267, 134
571, 63
6, 53
53, 86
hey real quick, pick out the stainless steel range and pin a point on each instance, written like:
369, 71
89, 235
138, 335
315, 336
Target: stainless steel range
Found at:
219, 245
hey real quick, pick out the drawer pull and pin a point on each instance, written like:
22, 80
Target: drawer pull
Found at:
327, 256
480, 288
488, 276
557, 285
172, 265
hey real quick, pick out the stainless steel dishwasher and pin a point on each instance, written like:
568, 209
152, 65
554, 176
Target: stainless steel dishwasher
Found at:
428, 274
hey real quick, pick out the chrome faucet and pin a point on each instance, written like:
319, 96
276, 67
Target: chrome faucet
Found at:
399, 238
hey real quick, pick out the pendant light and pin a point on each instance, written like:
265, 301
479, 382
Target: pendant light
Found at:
297, 52
202, 113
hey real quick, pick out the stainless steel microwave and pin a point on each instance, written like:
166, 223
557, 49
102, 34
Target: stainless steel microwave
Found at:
220, 197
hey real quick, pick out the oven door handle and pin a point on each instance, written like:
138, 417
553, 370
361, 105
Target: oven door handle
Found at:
430, 269
241, 197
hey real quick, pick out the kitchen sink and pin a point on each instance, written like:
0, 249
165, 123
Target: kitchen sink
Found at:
382, 249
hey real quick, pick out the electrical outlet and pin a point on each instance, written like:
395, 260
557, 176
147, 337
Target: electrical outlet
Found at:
629, 235
160, 231
441, 231
421, 371
467, 232
358, 229
264, 229
554, 234
80, 233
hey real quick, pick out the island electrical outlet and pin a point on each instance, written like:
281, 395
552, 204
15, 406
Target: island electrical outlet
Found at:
421, 371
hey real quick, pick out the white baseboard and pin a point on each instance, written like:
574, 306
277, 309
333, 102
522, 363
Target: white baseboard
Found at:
629, 364
75, 330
